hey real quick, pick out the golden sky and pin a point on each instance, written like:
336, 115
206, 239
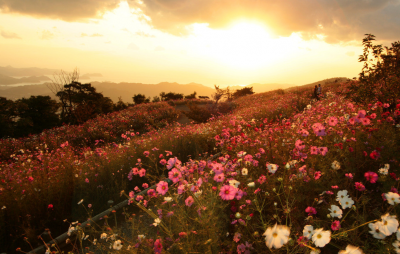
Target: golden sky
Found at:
224, 42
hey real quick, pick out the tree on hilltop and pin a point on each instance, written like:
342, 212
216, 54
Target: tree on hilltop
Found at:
243, 92
140, 98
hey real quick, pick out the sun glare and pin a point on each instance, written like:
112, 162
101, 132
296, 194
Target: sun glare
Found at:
243, 45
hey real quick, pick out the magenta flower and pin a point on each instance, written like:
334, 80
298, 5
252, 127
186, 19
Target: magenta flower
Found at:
371, 176
227, 192
162, 187
300, 144
317, 175
87, 180
359, 186
374, 155
174, 175
189, 201
239, 194
237, 237
145, 185
311, 210
50, 206
163, 162
135, 171
146, 153
335, 225
151, 193
349, 175
157, 246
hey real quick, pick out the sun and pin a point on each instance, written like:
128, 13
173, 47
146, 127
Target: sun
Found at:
243, 45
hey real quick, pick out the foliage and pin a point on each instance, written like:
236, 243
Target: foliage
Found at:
191, 96
379, 80
140, 98
170, 96
243, 92
202, 114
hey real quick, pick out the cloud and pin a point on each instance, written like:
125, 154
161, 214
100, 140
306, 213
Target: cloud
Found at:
159, 48
350, 53
141, 33
340, 20
96, 35
9, 35
83, 35
133, 46
72, 10
47, 35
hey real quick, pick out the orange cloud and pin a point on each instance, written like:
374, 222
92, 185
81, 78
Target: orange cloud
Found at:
71, 10
9, 35
338, 20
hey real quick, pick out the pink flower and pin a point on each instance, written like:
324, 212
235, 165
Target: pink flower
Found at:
227, 192
87, 180
142, 172
89, 205
146, 153
219, 178
151, 193
50, 206
332, 121
157, 246
135, 171
239, 194
174, 175
371, 176
317, 175
162, 187
30, 179
237, 237
189, 201
262, 179
300, 144
359, 186
163, 162
349, 175
365, 121
139, 197
314, 150
335, 187
182, 234
373, 116
322, 150
335, 225
145, 185
311, 210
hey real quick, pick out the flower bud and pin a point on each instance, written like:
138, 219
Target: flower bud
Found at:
238, 215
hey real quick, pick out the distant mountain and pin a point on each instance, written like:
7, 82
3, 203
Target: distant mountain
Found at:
18, 72
90, 75
6, 80
127, 90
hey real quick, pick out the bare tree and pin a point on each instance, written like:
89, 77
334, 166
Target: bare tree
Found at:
57, 85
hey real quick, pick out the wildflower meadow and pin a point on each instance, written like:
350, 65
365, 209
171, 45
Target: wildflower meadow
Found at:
282, 173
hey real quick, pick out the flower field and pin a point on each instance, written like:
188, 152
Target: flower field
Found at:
292, 176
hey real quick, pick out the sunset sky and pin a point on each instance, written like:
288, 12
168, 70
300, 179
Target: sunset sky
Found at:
224, 42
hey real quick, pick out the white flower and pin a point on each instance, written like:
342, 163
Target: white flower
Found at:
48, 251
316, 251
117, 245
4, 207
308, 231
389, 224
168, 199
251, 185
375, 230
234, 183
308, 106
392, 198
272, 168
321, 238
350, 249
346, 202
156, 222
103, 236
86, 237
198, 193
396, 245
70, 230
277, 236
335, 211
383, 171
80, 202
245, 171
336, 165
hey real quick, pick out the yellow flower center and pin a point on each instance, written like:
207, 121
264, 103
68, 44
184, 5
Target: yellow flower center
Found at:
274, 235
319, 236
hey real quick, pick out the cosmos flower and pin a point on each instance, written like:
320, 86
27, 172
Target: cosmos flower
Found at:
277, 236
